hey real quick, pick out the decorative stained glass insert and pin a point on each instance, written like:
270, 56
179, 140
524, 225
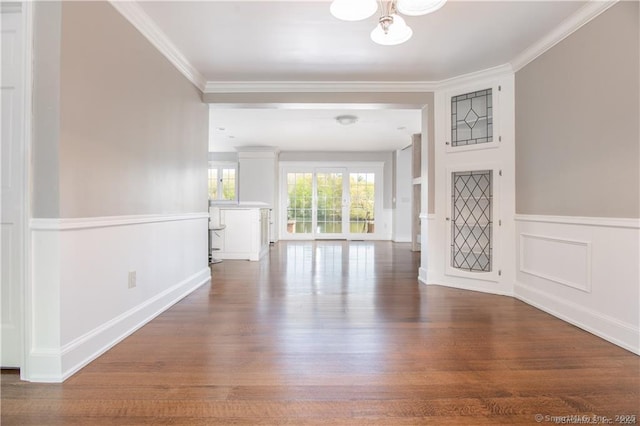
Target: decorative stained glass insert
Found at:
472, 118
471, 222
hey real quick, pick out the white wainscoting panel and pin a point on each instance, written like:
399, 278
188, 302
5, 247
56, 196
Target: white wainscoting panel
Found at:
80, 298
584, 272
563, 261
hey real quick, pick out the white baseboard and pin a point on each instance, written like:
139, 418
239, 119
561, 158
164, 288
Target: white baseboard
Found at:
226, 255
426, 277
469, 286
422, 275
615, 331
44, 366
402, 239
84, 349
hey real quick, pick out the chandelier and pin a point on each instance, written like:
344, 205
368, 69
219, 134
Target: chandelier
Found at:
391, 28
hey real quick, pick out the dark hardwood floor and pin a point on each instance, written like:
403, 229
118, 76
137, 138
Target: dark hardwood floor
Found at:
339, 333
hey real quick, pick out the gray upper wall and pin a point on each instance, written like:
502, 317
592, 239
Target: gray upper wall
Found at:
577, 122
133, 130
46, 109
223, 156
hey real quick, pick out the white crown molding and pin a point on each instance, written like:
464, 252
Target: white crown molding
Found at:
132, 12
610, 222
567, 27
318, 86
352, 86
64, 224
476, 76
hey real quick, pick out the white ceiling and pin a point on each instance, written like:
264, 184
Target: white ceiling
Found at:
279, 41
312, 129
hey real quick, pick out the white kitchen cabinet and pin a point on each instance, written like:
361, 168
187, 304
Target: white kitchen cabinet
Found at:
245, 234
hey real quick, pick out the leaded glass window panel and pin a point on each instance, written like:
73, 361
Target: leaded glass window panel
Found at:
471, 221
472, 118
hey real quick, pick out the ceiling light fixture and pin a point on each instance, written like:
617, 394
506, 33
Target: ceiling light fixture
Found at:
346, 120
353, 10
391, 28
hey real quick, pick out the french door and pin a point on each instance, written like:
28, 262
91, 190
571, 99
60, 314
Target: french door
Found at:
329, 203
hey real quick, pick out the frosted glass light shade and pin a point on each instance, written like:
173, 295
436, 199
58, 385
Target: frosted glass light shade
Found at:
419, 7
353, 10
398, 33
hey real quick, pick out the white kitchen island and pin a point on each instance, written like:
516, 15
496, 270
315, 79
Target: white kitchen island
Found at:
245, 233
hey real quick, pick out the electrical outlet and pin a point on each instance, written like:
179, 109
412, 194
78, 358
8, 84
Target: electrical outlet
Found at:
132, 279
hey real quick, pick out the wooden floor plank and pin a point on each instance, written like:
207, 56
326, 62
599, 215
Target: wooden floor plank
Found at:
338, 333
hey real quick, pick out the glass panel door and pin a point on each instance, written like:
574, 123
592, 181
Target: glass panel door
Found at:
330, 203
299, 203
362, 203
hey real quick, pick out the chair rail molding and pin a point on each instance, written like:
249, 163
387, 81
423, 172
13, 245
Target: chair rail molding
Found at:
62, 224
610, 222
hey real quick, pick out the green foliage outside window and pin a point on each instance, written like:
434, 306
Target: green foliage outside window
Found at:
329, 202
228, 184
213, 184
